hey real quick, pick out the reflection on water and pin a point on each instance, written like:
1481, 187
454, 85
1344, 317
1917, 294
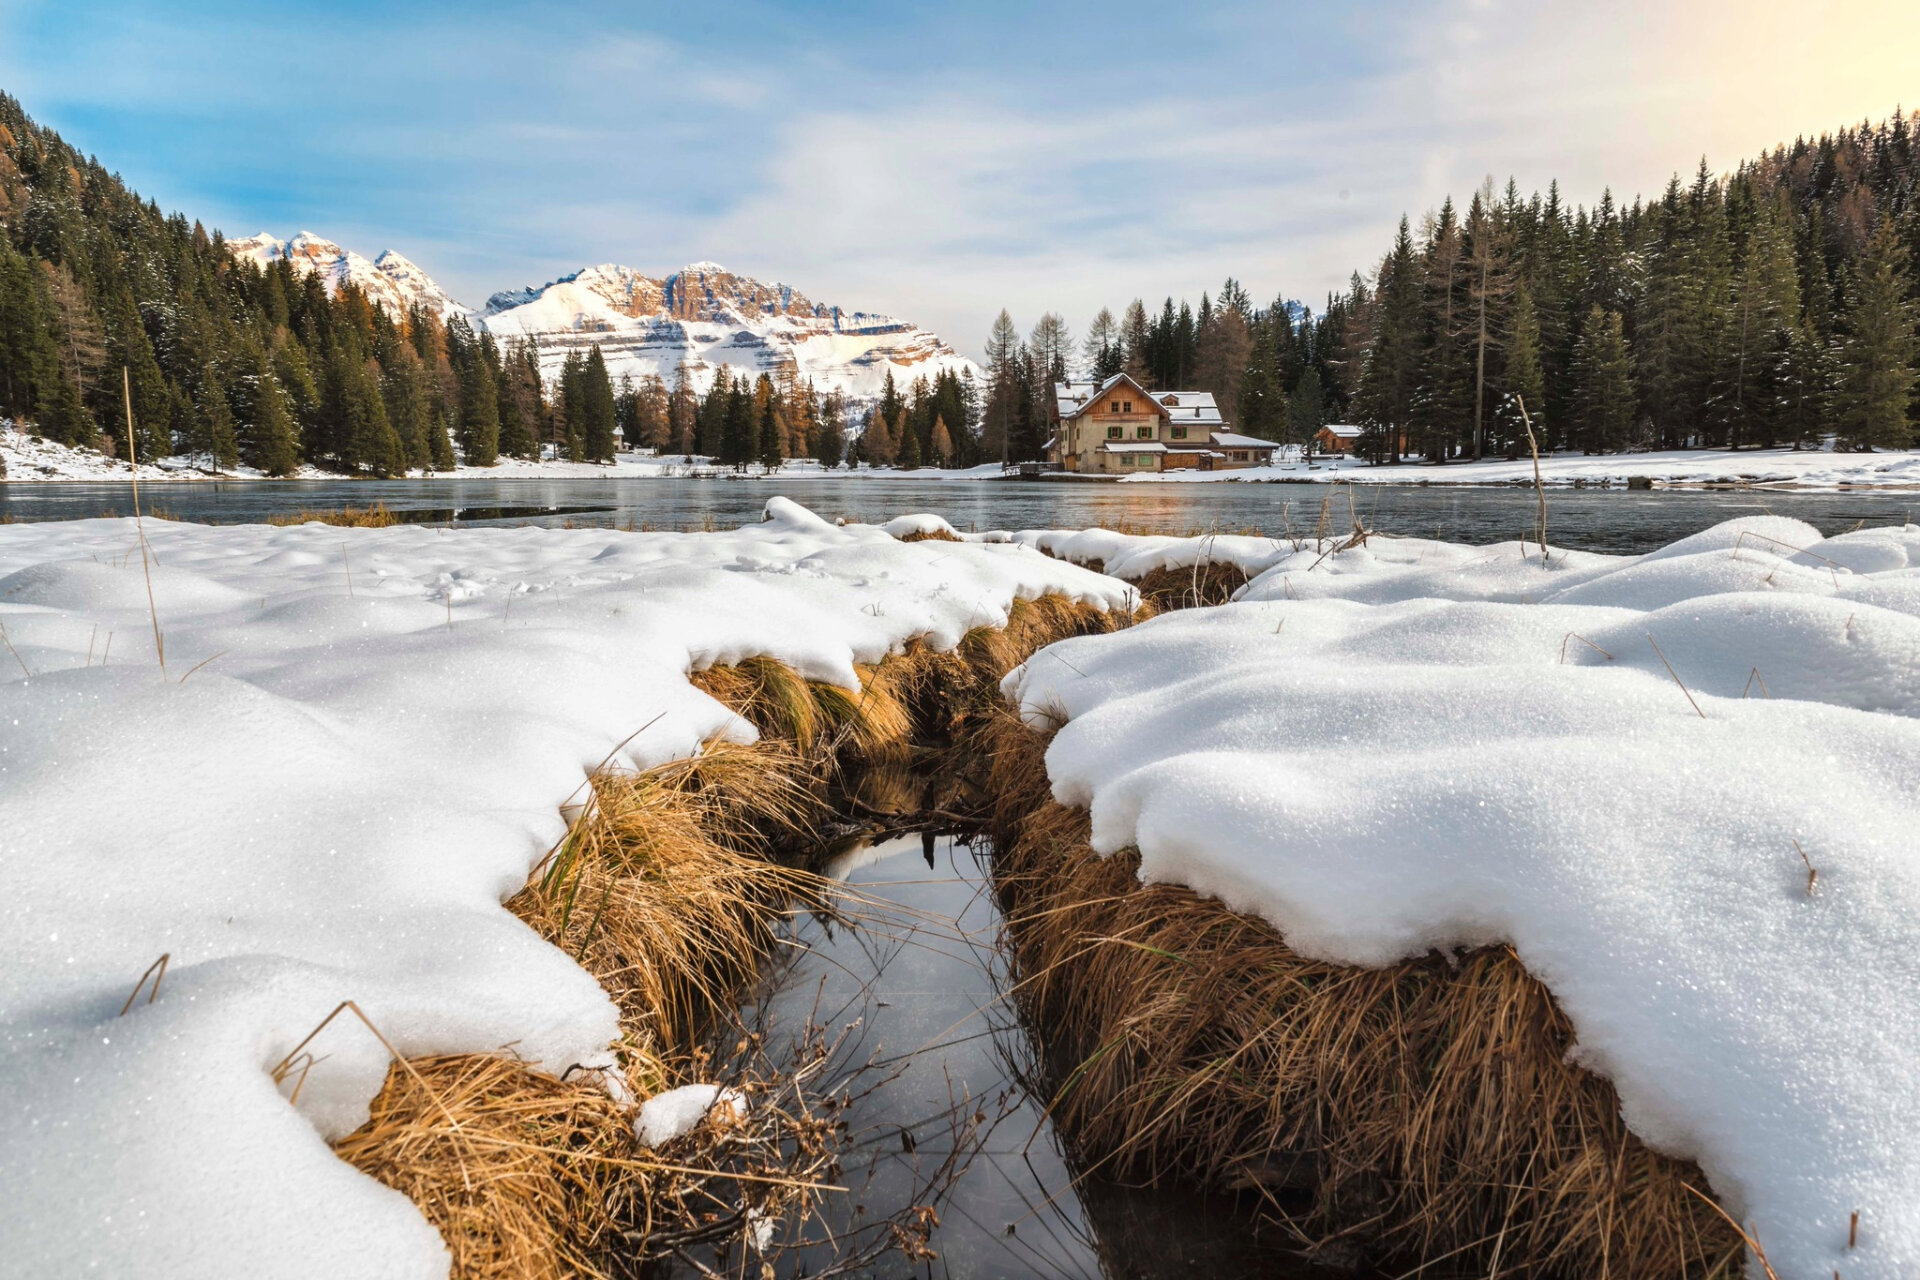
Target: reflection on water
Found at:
1589, 519
911, 963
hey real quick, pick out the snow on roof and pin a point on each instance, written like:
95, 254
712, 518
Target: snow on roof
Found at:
1071, 398
1344, 430
1141, 447
1228, 440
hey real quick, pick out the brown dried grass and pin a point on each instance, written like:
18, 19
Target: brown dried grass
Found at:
1207, 584
1425, 1111
377, 516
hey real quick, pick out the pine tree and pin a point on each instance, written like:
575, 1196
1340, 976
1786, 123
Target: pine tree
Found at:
405, 394
909, 439
1872, 404
596, 410
1603, 400
1004, 389
479, 429
943, 455
267, 436
771, 431
1390, 377
1523, 381
830, 437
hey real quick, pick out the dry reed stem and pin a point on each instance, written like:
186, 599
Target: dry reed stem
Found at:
1425, 1110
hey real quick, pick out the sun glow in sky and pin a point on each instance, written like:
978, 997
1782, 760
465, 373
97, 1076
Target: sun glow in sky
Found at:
939, 162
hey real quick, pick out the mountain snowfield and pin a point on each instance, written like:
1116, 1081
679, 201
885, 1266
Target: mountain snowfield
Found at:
702, 317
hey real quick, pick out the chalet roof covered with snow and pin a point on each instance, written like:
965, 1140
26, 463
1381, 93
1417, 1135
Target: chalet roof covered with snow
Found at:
1344, 430
1072, 397
1230, 440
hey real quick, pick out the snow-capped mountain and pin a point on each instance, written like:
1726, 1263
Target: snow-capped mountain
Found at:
706, 317
702, 316
389, 280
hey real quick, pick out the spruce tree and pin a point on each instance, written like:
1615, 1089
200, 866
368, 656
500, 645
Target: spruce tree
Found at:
1524, 379
1872, 404
267, 436
909, 452
830, 436
772, 431
1603, 401
596, 408
479, 405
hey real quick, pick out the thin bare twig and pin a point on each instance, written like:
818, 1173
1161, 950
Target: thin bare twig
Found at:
1575, 635
1676, 676
161, 965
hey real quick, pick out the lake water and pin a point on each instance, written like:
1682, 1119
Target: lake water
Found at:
912, 967
1587, 519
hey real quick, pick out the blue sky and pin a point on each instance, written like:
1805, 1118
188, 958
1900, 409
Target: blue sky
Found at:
938, 162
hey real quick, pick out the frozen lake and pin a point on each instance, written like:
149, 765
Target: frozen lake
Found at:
1589, 519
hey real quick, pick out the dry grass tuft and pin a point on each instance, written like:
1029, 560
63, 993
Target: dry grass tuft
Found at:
930, 535
663, 889
1207, 584
377, 516
1426, 1109
526, 1186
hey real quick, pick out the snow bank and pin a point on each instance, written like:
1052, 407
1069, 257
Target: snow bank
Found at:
361, 746
1800, 469
1412, 745
1133, 556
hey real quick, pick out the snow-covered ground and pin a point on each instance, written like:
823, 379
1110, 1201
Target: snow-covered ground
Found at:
361, 742
1414, 745
28, 458
1806, 468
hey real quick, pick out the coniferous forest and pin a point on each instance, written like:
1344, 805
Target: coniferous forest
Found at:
1779, 305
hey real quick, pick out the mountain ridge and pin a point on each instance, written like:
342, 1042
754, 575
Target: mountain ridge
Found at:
697, 320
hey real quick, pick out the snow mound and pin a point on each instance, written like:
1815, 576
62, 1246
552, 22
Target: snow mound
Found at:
923, 525
350, 762
1404, 746
678, 1112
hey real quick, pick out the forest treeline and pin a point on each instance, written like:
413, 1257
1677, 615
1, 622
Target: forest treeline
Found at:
1775, 306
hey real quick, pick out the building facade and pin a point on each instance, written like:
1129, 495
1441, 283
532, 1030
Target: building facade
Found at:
1117, 427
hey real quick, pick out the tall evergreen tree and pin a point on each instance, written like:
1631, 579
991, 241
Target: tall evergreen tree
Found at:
1602, 414
596, 408
1872, 406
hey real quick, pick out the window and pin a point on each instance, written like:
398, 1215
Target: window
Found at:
1126, 406
1179, 433
1113, 406
1114, 433
1143, 433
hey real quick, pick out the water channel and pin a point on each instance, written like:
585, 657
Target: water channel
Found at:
1620, 520
910, 964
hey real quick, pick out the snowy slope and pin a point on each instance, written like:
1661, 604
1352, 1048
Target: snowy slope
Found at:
707, 318
390, 279
334, 807
1415, 745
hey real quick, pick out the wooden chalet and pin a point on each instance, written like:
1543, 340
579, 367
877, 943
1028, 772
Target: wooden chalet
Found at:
1118, 427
